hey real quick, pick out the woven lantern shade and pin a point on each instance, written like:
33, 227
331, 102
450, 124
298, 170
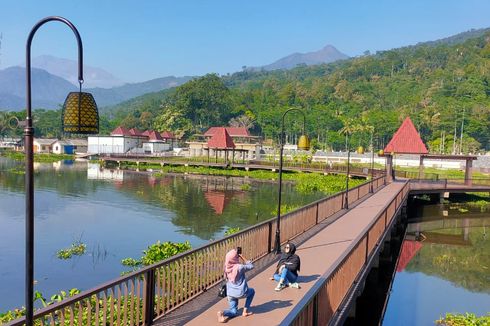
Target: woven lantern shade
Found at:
304, 143
80, 114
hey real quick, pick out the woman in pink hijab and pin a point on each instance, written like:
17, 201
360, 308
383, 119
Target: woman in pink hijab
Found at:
236, 285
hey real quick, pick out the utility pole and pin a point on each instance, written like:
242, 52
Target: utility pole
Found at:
454, 139
461, 139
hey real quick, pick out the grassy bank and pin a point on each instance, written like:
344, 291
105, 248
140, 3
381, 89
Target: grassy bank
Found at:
305, 182
41, 158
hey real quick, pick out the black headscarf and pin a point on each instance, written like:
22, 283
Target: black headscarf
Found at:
290, 259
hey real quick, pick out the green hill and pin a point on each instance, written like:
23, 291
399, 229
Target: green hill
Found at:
434, 83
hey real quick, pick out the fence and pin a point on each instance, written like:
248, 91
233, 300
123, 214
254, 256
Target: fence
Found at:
152, 292
321, 303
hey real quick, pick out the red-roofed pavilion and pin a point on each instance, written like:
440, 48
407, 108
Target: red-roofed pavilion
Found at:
406, 140
221, 141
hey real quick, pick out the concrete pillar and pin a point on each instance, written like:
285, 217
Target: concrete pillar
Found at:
389, 168
421, 167
250, 155
468, 173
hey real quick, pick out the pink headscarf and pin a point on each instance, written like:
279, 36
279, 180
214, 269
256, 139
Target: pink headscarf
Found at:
231, 265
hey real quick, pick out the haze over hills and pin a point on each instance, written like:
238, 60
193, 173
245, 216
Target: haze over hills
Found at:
326, 55
49, 91
68, 69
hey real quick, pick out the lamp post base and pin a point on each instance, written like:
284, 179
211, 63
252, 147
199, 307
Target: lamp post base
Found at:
277, 244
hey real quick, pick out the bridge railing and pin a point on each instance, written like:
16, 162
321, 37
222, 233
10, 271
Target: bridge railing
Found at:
321, 303
448, 183
153, 291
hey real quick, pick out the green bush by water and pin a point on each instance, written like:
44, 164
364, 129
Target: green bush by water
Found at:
466, 319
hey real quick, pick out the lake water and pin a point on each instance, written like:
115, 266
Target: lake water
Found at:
444, 266
116, 214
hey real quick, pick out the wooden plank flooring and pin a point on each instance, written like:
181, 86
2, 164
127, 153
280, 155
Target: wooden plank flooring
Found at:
317, 254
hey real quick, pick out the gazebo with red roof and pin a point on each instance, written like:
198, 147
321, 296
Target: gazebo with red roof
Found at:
221, 141
406, 140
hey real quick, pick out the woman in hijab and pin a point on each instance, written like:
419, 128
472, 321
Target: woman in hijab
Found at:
236, 285
287, 268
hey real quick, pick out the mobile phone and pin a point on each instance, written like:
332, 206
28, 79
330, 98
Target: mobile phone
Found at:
239, 250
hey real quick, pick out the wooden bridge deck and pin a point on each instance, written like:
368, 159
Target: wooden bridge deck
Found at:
318, 254
361, 172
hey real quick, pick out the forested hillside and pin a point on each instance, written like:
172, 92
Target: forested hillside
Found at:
436, 84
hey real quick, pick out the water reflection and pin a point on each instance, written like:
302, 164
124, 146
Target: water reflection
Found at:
119, 214
444, 266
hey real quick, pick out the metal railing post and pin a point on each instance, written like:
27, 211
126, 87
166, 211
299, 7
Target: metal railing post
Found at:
269, 239
149, 297
316, 217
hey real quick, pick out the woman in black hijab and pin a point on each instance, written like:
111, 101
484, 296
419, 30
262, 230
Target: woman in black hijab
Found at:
287, 268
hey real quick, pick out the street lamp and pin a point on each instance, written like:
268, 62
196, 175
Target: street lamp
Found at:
303, 144
79, 116
346, 202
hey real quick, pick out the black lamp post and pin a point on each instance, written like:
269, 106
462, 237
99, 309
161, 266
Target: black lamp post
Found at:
79, 116
371, 187
346, 202
303, 144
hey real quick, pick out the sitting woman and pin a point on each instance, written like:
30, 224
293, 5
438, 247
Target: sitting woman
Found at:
287, 268
236, 285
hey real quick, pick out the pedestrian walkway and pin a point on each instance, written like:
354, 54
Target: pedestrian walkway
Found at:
317, 254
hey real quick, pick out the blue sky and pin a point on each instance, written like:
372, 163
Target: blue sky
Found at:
140, 40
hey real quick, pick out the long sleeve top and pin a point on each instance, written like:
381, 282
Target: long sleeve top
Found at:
239, 288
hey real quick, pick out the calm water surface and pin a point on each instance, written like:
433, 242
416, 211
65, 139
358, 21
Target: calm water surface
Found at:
116, 214
444, 266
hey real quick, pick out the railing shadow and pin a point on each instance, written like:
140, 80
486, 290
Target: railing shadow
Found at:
271, 305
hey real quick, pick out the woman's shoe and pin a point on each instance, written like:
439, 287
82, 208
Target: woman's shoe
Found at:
280, 286
295, 285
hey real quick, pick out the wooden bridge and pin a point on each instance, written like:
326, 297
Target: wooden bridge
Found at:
318, 167
337, 247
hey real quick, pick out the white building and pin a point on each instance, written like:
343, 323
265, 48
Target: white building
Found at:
43, 145
70, 146
122, 141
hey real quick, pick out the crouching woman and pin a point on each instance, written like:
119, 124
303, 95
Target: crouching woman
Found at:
236, 285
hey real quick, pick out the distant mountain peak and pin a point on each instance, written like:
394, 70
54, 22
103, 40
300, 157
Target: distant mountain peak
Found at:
326, 54
68, 69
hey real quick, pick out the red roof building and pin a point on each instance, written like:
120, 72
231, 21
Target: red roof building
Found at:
120, 131
406, 140
167, 135
135, 132
221, 139
154, 136
232, 131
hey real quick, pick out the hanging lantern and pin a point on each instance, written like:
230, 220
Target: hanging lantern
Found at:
80, 115
360, 150
304, 143
381, 152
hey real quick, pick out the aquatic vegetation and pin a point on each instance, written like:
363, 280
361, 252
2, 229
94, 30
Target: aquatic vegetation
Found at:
42, 158
157, 252
467, 319
77, 248
13, 314
245, 187
231, 231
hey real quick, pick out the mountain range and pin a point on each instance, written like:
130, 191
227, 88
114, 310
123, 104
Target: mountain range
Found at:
325, 55
49, 91
68, 69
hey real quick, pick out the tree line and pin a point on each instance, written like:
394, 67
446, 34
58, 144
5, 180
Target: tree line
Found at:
443, 87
